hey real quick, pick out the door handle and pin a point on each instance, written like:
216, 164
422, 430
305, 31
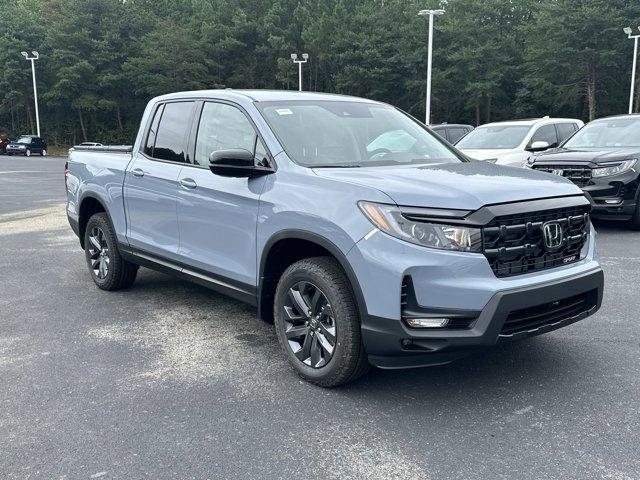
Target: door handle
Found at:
137, 172
188, 183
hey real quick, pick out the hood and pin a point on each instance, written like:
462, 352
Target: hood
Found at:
590, 156
464, 186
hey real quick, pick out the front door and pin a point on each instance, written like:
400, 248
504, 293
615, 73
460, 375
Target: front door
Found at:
151, 181
217, 215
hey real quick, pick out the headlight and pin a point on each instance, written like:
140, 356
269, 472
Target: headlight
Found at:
613, 169
389, 219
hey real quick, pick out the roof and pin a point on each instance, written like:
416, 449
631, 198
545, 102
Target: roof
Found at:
441, 126
532, 121
622, 115
266, 95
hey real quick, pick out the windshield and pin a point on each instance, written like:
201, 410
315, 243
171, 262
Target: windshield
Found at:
618, 132
494, 137
352, 134
25, 140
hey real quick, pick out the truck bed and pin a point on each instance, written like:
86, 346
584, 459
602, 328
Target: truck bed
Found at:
105, 148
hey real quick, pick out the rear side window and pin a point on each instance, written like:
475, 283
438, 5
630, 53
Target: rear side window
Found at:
171, 137
151, 136
547, 133
223, 127
565, 130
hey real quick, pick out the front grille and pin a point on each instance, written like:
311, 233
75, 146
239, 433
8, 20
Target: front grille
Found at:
579, 175
549, 314
514, 244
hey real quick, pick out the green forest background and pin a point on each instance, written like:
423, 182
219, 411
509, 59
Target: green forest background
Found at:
102, 60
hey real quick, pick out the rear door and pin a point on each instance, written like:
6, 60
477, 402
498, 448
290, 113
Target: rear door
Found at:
218, 215
151, 181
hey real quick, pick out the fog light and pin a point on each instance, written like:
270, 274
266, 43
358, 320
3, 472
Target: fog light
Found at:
427, 322
613, 201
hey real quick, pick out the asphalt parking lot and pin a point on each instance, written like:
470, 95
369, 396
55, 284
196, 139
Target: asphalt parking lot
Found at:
170, 380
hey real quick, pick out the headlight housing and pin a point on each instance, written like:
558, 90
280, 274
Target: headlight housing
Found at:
432, 234
613, 169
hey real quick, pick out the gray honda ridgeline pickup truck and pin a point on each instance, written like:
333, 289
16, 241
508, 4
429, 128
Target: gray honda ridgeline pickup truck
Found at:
363, 236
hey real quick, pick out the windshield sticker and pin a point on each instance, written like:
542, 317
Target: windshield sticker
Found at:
284, 111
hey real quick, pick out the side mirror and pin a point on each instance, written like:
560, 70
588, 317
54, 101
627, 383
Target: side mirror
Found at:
235, 162
538, 146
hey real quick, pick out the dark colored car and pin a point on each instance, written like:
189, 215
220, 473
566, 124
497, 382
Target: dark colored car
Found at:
4, 141
602, 159
27, 145
451, 132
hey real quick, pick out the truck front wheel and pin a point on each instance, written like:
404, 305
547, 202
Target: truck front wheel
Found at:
317, 322
107, 267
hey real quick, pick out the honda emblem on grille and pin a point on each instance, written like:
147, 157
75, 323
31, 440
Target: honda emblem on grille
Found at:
557, 171
553, 236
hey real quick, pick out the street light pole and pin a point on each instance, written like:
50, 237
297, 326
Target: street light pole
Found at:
33, 59
305, 57
431, 14
629, 31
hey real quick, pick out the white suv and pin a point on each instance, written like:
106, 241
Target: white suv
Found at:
511, 143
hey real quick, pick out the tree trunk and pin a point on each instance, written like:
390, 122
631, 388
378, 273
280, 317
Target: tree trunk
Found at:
13, 118
477, 111
591, 93
84, 131
119, 118
488, 117
32, 129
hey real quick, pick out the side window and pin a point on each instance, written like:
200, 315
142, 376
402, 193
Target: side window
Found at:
171, 138
223, 127
441, 132
151, 136
565, 130
456, 134
547, 133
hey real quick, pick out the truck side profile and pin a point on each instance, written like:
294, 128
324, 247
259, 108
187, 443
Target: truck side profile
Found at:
365, 238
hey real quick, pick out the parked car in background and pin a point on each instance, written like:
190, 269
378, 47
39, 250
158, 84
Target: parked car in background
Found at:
419, 258
4, 141
603, 159
451, 132
85, 144
511, 143
27, 145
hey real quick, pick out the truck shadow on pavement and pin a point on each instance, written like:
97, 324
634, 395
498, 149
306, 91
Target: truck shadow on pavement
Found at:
554, 362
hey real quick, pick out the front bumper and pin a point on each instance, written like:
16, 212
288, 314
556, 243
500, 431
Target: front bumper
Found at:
613, 197
16, 151
452, 285
391, 344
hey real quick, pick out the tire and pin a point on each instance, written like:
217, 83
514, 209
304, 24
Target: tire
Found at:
43, 153
108, 269
28, 153
333, 312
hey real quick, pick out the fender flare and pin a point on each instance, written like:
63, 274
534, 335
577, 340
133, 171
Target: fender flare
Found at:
97, 198
324, 243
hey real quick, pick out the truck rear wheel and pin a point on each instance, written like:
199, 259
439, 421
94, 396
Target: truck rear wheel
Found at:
107, 267
317, 322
